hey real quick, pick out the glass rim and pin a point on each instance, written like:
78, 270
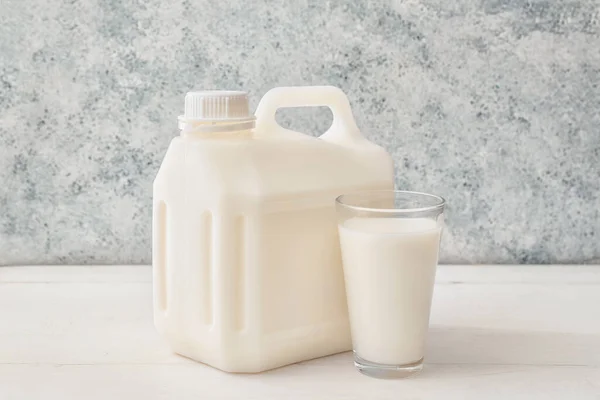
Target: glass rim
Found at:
441, 202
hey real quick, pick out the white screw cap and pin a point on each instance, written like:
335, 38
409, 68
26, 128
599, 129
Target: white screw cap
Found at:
217, 106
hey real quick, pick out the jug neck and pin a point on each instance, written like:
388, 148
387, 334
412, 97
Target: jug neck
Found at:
221, 129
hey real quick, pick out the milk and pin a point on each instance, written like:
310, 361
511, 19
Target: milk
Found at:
389, 268
246, 258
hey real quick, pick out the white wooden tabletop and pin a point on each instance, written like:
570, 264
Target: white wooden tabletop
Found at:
497, 332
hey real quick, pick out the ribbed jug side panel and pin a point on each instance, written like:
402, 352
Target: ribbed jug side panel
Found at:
159, 256
239, 292
207, 265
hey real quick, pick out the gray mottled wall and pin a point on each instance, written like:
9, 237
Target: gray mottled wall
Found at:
494, 104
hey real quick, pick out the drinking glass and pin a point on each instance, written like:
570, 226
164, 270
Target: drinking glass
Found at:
390, 244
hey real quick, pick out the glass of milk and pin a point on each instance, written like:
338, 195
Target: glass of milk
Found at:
390, 243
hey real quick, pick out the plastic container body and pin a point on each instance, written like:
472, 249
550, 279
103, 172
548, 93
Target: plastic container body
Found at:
246, 259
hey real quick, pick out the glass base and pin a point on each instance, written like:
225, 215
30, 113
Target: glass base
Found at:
387, 371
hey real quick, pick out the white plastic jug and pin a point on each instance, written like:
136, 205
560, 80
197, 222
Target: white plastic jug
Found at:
246, 261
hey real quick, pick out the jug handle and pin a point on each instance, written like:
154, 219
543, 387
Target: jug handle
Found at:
343, 129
